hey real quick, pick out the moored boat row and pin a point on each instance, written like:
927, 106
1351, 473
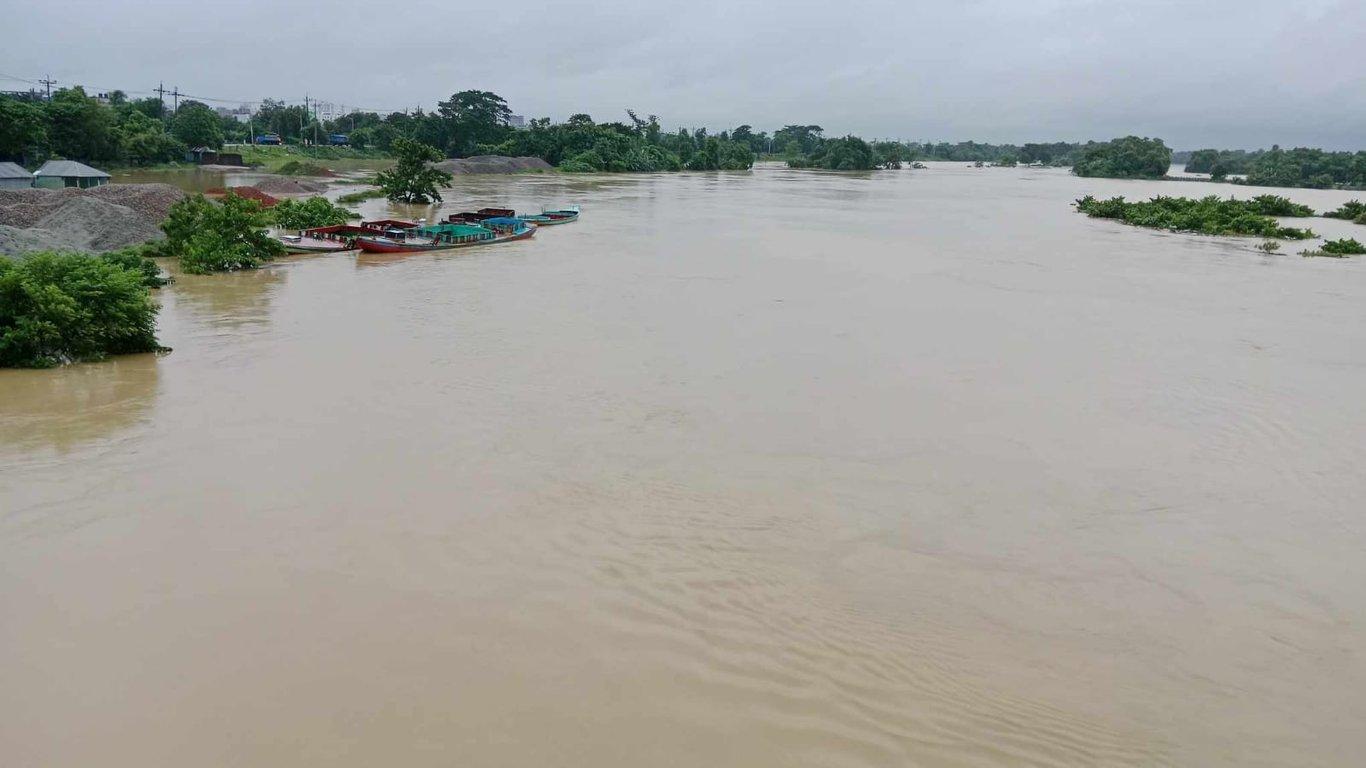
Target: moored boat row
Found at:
460, 230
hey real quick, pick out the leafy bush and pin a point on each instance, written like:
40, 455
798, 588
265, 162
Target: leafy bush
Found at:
305, 214
137, 258
218, 238
1353, 209
1208, 215
1345, 247
1275, 205
65, 307
1131, 157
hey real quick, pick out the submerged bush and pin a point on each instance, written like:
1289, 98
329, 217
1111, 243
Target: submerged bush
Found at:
218, 238
58, 308
1345, 247
305, 214
1354, 210
1208, 215
137, 258
1275, 205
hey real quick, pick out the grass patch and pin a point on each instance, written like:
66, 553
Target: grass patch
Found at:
351, 198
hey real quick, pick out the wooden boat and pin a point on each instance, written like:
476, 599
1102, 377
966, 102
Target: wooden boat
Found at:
441, 237
334, 239
302, 243
481, 215
549, 218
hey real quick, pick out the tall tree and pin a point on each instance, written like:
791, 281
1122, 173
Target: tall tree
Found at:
23, 129
197, 125
472, 118
412, 180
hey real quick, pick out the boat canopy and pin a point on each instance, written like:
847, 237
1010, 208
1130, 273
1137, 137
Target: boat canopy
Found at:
455, 232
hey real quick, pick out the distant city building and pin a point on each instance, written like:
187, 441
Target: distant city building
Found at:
29, 95
517, 121
326, 111
241, 114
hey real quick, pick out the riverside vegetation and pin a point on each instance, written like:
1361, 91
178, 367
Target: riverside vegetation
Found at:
1353, 210
58, 308
1208, 215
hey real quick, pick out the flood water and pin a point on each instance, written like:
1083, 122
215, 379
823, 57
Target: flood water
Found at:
744, 469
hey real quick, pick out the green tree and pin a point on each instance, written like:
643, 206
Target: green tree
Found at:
58, 308
412, 180
23, 130
306, 214
197, 125
1131, 157
144, 141
81, 128
472, 118
218, 238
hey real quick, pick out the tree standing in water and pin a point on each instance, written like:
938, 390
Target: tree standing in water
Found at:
411, 180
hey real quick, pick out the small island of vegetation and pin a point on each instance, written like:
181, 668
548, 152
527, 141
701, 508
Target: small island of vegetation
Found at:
1131, 157
1352, 210
1208, 215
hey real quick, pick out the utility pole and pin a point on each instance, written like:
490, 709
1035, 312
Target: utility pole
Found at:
48, 82
176, 94
161, 96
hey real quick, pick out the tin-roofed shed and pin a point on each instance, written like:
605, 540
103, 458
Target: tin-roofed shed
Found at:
56, 174
13, 176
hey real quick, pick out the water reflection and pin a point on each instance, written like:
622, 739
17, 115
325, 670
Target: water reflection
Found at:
75, 404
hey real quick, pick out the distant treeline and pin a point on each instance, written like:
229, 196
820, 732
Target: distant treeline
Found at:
1276, 167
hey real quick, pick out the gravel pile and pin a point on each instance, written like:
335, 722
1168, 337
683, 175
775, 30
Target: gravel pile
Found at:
493, 164
26, 207
98, 219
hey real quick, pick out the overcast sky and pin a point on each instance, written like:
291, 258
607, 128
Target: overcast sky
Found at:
1227, 73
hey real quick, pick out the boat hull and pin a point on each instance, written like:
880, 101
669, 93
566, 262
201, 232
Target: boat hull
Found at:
384, 245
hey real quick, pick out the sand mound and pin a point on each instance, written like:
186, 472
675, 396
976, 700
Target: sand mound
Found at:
276, 185
493, 164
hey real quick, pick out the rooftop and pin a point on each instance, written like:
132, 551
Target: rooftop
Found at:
68, 169
13, 171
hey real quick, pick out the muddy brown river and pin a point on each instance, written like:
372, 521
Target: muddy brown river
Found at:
745, 469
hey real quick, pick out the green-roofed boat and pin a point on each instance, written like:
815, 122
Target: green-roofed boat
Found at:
440, 237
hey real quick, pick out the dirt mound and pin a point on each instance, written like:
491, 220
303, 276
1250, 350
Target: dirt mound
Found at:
276, 185
493, 164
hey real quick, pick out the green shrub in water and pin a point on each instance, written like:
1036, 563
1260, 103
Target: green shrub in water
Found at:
59, 308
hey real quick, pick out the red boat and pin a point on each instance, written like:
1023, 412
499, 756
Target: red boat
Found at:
441, 237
